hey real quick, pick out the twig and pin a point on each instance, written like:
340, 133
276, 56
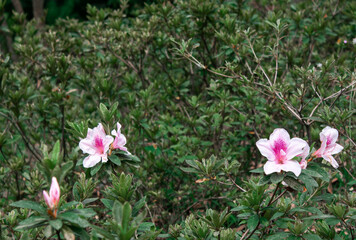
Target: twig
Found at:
279, 196
236, 183
23, 136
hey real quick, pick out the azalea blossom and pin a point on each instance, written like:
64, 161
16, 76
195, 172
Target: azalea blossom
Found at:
96, 144
120, 139
280, 150
52, 199
329, 147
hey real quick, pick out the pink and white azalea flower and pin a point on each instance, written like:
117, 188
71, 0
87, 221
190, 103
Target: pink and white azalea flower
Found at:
280, 150
120, 139
52, 199
96, 144
329, 147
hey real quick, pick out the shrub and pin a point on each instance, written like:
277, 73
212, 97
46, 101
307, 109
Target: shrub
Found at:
195, 84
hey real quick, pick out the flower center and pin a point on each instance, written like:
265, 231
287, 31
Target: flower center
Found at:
328, 140
279, 149
98, 142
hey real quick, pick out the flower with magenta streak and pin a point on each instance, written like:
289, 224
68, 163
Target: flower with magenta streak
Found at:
52, 200
96, 144
329, 147
120, 139
280, 150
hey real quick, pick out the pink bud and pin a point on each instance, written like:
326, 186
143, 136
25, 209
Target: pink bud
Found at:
54, 192
52, 199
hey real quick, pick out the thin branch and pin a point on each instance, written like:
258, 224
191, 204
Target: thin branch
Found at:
236, 185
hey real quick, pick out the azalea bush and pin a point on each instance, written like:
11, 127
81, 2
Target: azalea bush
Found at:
190, 120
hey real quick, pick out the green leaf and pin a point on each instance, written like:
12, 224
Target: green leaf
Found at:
32, 222
316, 168
48, 231
68, 233
264, 180
105, 234
277, 215
80, 232
138, 205
56, 224
96, 168
75, 192
239, 208
85, 212
309, 182
55, 154
64, 170
293, 183
257, 170
74, 218
115, 159
126, 215
29, 205
278, 236
276, 178
189, 170
311, 236
117, 212
252, 222
107, 203
312, 173
89, 200
322, 216
104, 112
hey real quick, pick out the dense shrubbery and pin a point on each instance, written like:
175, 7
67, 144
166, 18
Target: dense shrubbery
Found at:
194, 84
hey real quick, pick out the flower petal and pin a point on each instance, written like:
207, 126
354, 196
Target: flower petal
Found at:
265, 148
331, 134
303, 164
104, 158
114, 132
86, 145
47, 200
271, 167
106, 142
292, 166
295, 147
336, 149
55, 191
91, 160
280, 134
305, 152
331, 160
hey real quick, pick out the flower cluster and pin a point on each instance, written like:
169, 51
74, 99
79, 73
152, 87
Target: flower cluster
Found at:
97, 144
52, 200
281, 151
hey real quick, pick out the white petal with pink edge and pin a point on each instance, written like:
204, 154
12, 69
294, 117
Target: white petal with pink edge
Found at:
330, 133
271, 167
295, 147
265, 148
280, 134
336, 149
292, 166
86, 145
331, 160
91, 160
